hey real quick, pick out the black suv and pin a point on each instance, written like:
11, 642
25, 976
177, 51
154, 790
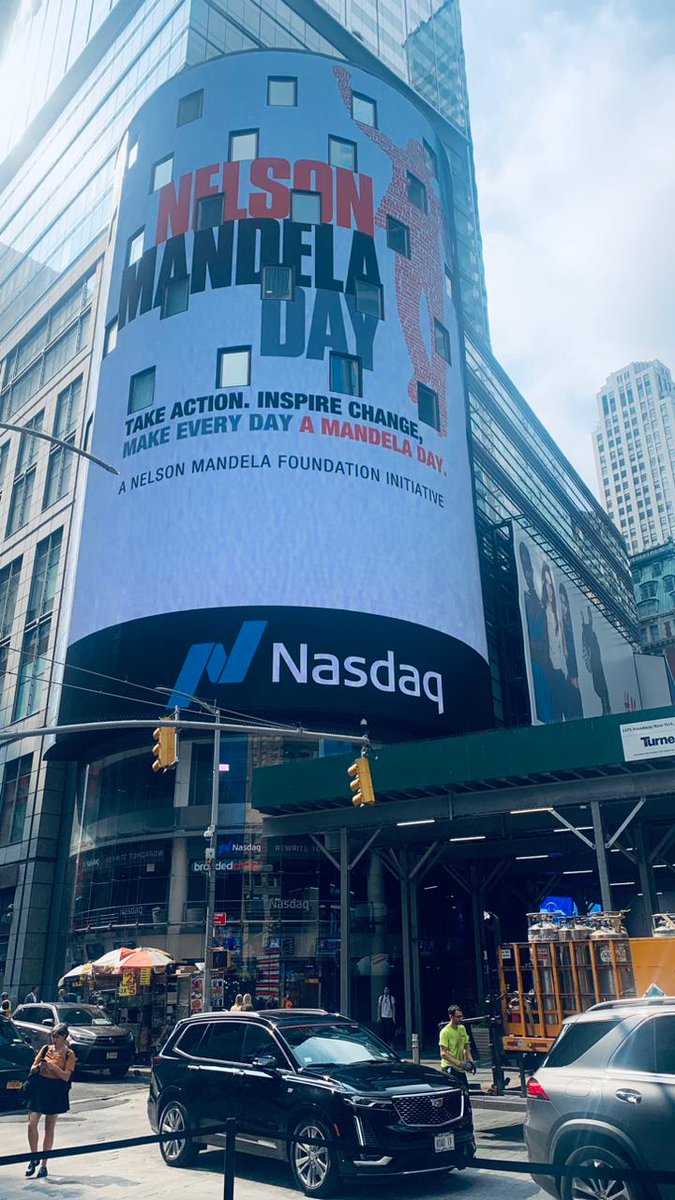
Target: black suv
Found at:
605, 1096
98, 1043
306, 1073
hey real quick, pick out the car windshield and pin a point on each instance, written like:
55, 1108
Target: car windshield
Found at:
324, 1044
9, 1032
83, 1016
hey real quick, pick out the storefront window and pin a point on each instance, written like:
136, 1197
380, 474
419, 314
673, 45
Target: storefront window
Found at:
232, 777
124, 784
122, 886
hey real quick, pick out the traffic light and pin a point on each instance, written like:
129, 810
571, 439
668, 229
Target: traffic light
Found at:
165, 749
361, 782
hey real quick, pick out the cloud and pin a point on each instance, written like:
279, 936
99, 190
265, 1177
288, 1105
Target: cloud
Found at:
572, 113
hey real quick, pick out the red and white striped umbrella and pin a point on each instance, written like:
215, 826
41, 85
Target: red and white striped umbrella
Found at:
113, 961
146, 956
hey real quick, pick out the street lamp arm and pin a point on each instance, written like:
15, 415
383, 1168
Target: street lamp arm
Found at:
48, 437
209, 708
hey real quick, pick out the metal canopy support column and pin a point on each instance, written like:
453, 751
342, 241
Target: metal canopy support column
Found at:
416, 1006
345, 960
477, 909
647, 886
601, 855
406, 946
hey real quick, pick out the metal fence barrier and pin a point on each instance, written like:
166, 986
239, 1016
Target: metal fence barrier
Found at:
229, 1129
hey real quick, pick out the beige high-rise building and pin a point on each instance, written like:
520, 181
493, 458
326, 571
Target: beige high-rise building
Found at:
634, 447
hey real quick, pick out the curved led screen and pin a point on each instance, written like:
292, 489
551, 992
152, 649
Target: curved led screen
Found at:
292, 530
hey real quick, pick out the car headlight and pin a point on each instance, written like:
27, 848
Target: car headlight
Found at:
80, 1035
368, 1102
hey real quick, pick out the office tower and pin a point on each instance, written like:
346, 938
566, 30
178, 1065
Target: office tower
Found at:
635, 455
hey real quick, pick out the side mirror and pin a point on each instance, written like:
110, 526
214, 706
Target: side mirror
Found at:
267, 1061
48, 1021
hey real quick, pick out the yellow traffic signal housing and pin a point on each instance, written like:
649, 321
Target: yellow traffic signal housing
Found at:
361, 782
165, 749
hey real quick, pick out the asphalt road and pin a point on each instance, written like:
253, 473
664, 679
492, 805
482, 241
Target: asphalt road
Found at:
103, 1110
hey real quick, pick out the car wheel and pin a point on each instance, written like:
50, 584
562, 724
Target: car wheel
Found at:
314, 1168
179, 1151
574, 1188
119, 1071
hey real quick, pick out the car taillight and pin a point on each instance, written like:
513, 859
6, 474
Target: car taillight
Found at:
155, 1060
535, 1091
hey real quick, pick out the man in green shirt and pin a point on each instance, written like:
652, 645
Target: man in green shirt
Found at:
454, 1045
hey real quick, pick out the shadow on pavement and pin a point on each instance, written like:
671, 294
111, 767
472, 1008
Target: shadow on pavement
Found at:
271, 1173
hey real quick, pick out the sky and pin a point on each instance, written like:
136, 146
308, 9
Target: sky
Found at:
573, 121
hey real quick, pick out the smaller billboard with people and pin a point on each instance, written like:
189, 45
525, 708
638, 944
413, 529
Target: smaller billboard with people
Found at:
578, 664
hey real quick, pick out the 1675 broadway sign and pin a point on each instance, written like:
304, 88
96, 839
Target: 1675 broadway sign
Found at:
648, 739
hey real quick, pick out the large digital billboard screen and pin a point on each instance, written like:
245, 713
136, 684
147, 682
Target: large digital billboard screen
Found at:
578, 664
282, 388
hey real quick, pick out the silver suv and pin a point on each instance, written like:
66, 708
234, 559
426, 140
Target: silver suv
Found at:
605, 1097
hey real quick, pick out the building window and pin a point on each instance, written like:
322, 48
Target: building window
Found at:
60, 458
210, 211
4, 456
428, 409
9, 586
243, 145
132, 155
24, 479
306, 207
190, 108
141, 390
233, 367
14, 798
654, 632
162, 173
342, 153
282, 91
430, 156
448, 283
176, 297
33, 670
667, 629
135, 246
442, 341
417, 193
398, 236
648, 589
110, 338
49, 346
45, 573
277, 283
345, 374
369, 299
364, 110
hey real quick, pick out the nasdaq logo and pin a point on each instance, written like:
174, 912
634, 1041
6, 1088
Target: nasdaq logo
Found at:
211, 659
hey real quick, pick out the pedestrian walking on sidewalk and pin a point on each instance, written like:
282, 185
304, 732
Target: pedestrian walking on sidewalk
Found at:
48, 1095
386, 1016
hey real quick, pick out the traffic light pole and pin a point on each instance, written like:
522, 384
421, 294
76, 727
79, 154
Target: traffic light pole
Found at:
211, 852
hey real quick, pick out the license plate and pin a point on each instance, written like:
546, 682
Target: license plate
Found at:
444, 1141
14, 1085
111, 1054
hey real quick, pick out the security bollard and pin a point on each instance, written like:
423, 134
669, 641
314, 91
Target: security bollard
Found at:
416, 1047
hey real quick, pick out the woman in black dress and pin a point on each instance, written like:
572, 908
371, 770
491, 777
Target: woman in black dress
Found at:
53, 1066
